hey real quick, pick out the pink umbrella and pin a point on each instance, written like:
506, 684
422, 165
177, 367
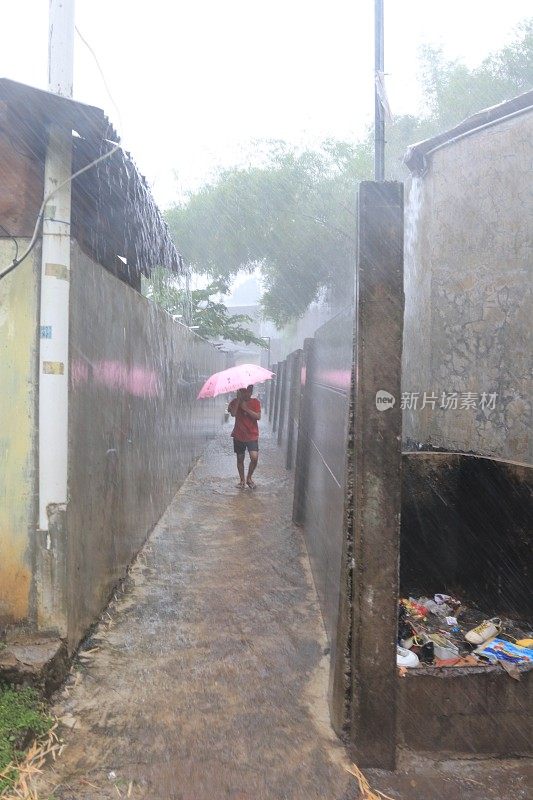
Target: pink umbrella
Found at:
229, 380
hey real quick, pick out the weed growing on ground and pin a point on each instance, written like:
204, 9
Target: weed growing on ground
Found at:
22, 719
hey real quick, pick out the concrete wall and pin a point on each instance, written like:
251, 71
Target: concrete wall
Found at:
466, 530
135, 431
327, 424
291, 337
468, 280
347, 480
18, 467
466, 520
136, 428
284, 401
466, 710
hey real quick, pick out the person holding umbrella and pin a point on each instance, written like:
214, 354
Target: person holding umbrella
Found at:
247, 412
244, 408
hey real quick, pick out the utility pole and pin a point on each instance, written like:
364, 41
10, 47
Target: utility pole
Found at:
379, 123
55, 277
61, 47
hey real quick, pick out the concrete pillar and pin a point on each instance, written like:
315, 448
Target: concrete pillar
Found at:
61, 47
301, 470
285, 377
294, 404
376, 473
275, 368
340, 674
279, 375
55, 278
53, 433
271, 391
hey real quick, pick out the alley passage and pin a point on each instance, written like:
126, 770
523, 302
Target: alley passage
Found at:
209, 678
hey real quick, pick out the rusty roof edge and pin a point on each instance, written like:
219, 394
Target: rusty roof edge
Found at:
92, 123
158, 247
166, 242
416, 154
12, 91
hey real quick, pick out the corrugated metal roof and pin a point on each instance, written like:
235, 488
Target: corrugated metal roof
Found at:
89, 121
113, 210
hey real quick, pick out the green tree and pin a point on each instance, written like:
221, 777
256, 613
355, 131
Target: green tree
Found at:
454, 92
168, 290
213, 319
294, 216
210, 318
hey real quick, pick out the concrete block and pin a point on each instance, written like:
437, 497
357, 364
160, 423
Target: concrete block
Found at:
42, 663
466, 710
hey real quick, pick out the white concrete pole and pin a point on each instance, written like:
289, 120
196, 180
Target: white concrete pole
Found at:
55, 276
61, 47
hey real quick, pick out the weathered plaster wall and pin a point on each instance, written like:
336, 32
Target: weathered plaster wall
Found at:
18, 368
466, 710
136, 428
328, 430
468, 281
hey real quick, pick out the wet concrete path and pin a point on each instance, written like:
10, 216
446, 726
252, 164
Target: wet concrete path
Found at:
207, 679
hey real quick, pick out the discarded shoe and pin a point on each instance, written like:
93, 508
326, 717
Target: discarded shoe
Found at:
487, 630
406, 658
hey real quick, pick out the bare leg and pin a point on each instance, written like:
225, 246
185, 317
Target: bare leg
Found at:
254, 455
240, 468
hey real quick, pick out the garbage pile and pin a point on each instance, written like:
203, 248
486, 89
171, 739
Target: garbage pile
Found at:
442, 632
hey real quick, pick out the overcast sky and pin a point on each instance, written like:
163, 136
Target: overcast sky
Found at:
197, 82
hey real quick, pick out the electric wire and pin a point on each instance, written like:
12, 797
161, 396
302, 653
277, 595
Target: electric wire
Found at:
100, 70
47, 198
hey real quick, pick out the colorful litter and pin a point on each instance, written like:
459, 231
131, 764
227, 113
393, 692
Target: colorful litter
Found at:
442, 632
501, 650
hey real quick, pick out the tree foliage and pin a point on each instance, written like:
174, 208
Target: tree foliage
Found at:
166, 289
209, 317
294, 216
454, 92
213, 319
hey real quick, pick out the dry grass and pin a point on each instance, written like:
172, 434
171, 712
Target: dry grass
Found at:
365, 792
22, 786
